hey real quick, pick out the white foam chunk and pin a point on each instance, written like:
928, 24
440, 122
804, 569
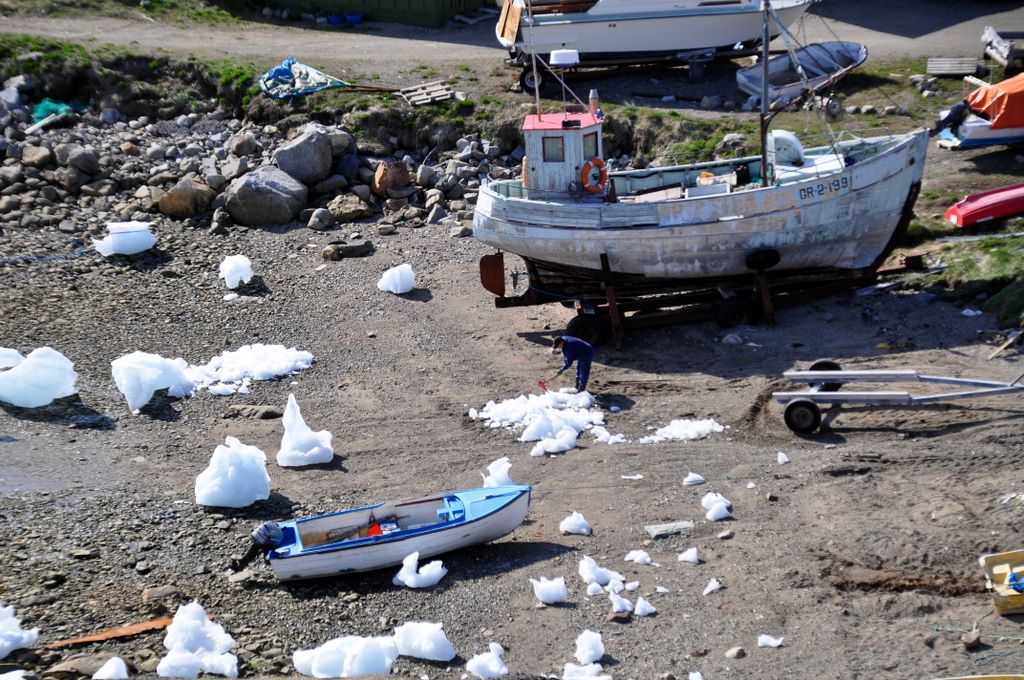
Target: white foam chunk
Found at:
718, 512
589, 647
619, 603
689, 555
638, 557
194, 644
593, 670
114, 669
427, 577
235, 270
661, 590
644, 608
347, 657
553, 419
695, 675
603, 435
782, 458
255, 362
488, 664
497, 473
397, 280
692, 479
235, 478
424, 640
633, 585
44, 375
712, 498
714, 585
590, 572
550, 591
768, 641
575, 524
14, 675
685, 429
594, 589
615, 586
12, 635
125, 238
300, 445
10, 357
140, 374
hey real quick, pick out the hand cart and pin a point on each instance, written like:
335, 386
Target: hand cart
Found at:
825, 378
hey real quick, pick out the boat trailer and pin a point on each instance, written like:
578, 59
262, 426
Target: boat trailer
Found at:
825, 379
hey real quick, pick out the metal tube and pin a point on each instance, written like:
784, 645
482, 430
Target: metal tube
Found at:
765, 38
533, 54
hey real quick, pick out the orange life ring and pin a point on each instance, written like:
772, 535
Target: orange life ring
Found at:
587, 176
525, 173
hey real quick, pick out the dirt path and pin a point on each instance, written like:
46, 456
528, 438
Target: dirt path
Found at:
920, 28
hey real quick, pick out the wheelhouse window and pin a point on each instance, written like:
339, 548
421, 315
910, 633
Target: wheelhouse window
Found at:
554, 149
590, 145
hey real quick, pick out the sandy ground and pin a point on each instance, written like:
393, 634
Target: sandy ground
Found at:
861, 552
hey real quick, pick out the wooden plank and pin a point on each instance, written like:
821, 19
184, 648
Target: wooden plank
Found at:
952, 66
113, 633
427, 93
508, 22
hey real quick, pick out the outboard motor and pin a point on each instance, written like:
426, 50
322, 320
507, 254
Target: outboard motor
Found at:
265, 538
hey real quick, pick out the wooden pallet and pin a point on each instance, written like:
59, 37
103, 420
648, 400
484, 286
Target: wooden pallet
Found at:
427, 93
953, 66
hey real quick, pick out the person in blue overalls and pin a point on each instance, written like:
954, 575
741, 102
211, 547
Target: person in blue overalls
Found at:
575, 350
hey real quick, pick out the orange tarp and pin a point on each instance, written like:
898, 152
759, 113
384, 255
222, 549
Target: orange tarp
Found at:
1002, 103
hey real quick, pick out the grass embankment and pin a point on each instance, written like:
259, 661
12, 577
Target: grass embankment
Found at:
985, 271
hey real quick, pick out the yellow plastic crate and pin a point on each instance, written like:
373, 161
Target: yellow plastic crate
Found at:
998, 568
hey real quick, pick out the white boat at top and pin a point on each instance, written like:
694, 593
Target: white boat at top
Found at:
807, 69
636, 31
384, 534
994, 115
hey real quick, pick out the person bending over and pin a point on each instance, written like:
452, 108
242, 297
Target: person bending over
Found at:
578, 351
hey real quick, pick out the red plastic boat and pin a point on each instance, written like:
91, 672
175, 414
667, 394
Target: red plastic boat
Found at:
988, 205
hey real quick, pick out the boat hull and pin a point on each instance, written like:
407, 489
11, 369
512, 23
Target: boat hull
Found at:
976, 131
390, 550
660, 28
824, 64
988, 205
843, 220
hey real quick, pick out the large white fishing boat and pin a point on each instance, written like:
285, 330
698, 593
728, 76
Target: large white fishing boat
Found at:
595, 238
608, 32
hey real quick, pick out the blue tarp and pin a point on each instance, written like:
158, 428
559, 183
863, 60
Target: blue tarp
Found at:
294, 79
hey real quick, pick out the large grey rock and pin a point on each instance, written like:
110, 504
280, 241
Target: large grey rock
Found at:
340, 250
36, 156
349, 208
437, 213
242, 143
321, 220
341, 141
307, 158
424, 175
266, 196
348, 165
235, 167
186, 198
86, 159
331, 185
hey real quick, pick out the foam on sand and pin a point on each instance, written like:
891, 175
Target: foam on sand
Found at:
347, 657
427, 577
424, 640
125, 238
488, 664
299, 444
235, 478
644, 608
497, 473
235, 270
550, 591
591, 572
684, 429
397, 280
36, 380
12, 635
588, 672
575, 524
140, 374
553, 420
114, 669
194, 643
589, 647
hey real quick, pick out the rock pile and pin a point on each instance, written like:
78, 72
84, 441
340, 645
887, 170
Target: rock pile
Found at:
210, 171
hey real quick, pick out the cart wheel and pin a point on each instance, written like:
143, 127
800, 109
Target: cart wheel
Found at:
826, 365
735, 311
530, 81
588, 327
802, 416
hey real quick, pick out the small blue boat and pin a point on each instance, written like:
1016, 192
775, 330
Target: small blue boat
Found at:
382, 535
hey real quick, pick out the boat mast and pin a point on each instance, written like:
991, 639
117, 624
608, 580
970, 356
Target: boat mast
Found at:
765, 119
533, 56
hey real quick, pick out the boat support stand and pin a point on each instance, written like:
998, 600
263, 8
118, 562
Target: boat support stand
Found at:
825, 378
